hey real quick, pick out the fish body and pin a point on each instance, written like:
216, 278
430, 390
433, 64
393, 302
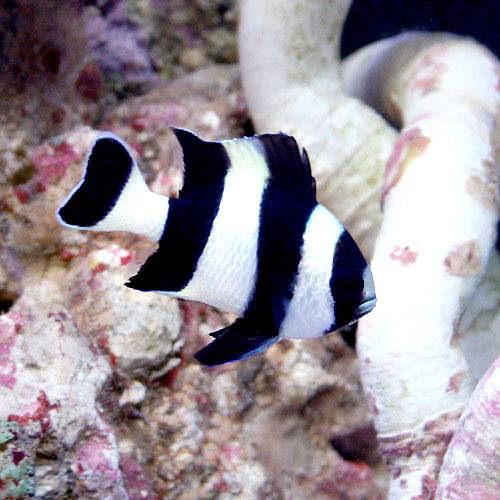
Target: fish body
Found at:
246, 235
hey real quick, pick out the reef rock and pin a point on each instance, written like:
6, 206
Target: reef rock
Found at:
50, 379
101, 397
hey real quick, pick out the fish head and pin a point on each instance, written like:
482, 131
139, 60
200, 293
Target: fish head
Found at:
351, 283
368, 297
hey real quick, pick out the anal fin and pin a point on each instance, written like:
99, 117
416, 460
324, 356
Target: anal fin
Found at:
218, 333
234, 343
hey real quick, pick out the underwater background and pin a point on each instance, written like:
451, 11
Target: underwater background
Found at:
99, 394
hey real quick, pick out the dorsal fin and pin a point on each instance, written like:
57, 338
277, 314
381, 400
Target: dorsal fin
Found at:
204, 160
307, 165
288, 166
205, 163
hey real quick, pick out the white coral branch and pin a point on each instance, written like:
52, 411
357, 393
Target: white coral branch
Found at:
292, 80
440, 201
439, 194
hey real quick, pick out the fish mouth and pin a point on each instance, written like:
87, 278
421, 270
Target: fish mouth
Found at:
365, 308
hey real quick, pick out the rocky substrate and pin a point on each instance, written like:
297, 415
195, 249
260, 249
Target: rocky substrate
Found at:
100, 395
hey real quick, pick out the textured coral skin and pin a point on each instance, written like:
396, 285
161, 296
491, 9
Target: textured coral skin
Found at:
428, 83
439, 196
470, 464
125, 408
99, 396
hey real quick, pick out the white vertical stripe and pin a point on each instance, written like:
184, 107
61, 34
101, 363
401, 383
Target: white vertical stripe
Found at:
226, 270
310, 312
138, 210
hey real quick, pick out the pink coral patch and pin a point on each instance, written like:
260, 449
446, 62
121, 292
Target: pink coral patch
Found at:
89, 83
99, 268
491, 170
493, 408
138, 485
409, 145
464, 260
9, 328
69, 253
18, 456
95, 462
429, 485
456, 381
51, 162
430, 70
470, 488
40, 412
152, 117
125, 259
22, 194
231, 455
484, 192
405, 255
353, 472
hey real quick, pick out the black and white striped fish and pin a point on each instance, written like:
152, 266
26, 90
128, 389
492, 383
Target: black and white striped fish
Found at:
246, 235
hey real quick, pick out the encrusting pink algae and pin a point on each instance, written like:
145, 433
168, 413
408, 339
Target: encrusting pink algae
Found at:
99, 395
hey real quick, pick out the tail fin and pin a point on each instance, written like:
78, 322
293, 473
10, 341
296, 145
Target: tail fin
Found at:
112, 195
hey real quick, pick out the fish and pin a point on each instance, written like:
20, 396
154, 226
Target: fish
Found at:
246, 235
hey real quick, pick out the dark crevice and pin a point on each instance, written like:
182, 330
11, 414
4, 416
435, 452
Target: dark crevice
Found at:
7, 300
360, 445
248, 128
6, 304
22, 175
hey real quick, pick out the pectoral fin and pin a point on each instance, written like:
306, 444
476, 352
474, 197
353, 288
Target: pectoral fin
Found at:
234, 343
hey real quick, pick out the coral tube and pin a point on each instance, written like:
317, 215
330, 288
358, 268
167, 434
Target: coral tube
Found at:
440, 212
438, 193
292, 81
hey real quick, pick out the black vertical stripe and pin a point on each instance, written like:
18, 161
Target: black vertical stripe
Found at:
190, 217
107, 171
346, 282
287, 203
